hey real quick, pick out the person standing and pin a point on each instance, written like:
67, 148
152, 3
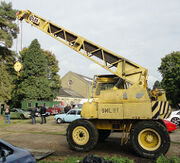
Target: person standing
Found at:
67, 108
7, 114
43, 114
33, 115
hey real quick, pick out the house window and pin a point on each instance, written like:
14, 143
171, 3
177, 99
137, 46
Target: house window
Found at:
70, 82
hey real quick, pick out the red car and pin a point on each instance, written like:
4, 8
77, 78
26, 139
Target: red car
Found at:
53, 111
170, 126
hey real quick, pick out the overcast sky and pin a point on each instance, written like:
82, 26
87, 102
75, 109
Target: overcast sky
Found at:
143, 31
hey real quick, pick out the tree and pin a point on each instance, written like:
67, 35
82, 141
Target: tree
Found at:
8, 29
34, 82
170, 71
7, 73
5, 84
157, 85
52, 69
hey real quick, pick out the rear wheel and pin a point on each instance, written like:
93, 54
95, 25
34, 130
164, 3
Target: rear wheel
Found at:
59, 120
175, 120
149, 139
82, 135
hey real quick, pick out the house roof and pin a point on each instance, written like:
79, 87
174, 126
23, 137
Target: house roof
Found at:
81, 77
87, 79
66, 92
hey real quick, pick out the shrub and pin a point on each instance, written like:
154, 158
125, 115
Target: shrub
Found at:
163, 159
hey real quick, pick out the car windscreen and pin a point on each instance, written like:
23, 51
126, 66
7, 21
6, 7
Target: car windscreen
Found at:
8, 151
72, 112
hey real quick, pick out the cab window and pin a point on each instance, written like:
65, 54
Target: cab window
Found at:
104, 86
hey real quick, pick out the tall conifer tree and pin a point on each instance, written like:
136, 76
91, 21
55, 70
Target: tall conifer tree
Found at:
34, 82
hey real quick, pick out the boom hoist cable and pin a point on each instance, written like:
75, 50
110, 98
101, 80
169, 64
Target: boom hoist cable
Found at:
18, 65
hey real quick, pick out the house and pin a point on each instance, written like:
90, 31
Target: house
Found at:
78, 83
68, 96
75, 88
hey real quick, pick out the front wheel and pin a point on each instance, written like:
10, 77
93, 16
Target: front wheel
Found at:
22, 116
149, 139
82, 135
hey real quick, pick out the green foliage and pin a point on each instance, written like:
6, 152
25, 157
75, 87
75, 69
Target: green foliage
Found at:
163, 159
157, 85
72, 159
52, 69
170, 71
68, 160
5, 84
116, 159
7, 73
39, 79
8, 29
34, 82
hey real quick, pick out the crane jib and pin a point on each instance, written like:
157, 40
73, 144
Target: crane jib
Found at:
116, 64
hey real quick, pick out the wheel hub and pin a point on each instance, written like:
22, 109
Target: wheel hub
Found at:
149, 139
80, 135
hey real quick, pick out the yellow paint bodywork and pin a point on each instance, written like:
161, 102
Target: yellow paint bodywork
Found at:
120, 104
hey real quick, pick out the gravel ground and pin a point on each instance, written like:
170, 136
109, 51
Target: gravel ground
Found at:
51, 137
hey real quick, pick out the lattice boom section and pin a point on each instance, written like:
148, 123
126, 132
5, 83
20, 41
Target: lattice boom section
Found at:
112, 62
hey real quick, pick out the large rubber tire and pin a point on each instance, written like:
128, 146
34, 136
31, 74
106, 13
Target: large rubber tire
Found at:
103, 134
82, 135
149, 139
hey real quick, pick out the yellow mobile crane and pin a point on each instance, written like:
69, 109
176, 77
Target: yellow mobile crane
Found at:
121, 101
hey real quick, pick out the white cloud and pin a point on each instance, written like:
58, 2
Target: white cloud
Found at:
151, 80
141, 31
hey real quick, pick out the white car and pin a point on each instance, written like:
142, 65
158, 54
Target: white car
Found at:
70, 116
175, 117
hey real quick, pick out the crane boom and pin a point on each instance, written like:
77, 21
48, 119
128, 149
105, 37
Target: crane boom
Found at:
118, 65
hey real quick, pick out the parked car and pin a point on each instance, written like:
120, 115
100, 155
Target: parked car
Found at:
175, 117
170, 126
53, 110
12, 154
70, 116
19, 114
